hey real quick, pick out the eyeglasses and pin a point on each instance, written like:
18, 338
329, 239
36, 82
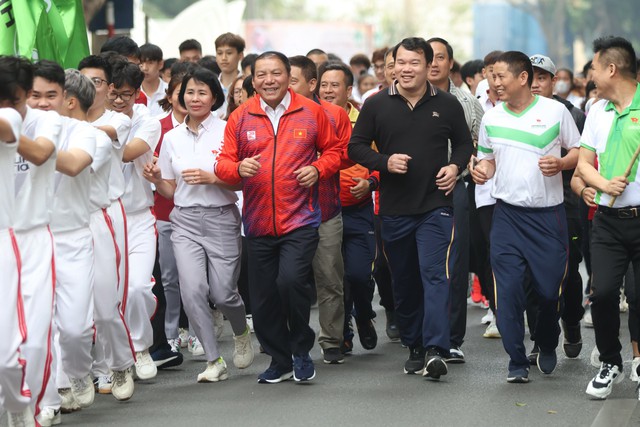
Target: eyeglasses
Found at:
378, 67
125, 96
97, 81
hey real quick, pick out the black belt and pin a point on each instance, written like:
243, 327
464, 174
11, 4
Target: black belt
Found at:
624, 213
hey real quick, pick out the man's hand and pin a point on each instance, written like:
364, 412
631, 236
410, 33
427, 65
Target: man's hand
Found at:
589, 195
361, 189
479, 171
306, 176
198, 177
550, 166
616, 186
152, 173
398, 163
249, 166
446, 178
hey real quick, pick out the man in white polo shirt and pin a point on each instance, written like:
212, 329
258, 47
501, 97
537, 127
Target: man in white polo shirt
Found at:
612, 135
520, 145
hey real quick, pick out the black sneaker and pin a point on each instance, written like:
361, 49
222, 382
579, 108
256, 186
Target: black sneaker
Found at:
533, 356
332, 356
415, 362
165, 358
435, 365
367, 334
392, 329
547, 361
572, 343
455, 355
518, 376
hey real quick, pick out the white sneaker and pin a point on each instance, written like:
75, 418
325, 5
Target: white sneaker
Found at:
175, 345
487, 318
216, 371
250, 322
195, 347
218, 322
122, 388
588, 320
104, 384
145, 366
69, 403
595, 357
183, 337
21, 419
49, 417
243, 350
492, 331
602, 384
635, 363
624, 306
83, 391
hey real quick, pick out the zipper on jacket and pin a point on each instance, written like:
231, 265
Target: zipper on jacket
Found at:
273, 182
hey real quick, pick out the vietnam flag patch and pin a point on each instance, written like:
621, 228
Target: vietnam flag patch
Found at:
299, 133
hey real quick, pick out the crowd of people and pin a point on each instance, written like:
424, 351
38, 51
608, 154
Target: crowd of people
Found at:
148, 200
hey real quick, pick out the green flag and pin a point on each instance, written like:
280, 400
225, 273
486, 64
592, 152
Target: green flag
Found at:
44, 29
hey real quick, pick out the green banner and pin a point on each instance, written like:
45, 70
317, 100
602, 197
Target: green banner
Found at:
44, 29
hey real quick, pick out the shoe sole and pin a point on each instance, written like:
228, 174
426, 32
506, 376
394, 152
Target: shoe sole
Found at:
435, 368
455, 360
283, 377
104, 391
418, 372
168, 363
121, 398
517, 380
223, 377
333, 362
299, 380
596, 394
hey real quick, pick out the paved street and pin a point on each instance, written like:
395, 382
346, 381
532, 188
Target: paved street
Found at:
370, 389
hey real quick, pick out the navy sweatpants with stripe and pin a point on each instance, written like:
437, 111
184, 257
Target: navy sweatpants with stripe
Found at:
533, 238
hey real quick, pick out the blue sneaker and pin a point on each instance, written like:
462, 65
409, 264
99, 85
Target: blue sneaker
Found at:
547, 361
274, 375
518, 376
303, 369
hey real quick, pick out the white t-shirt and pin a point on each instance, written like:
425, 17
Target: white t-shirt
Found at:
71, 201
8, 168
517, 141
152, 99
34, 184
122, 124
100, 172
183, 149
138, 194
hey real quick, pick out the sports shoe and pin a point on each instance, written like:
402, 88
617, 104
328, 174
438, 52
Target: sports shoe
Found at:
476, 291
435, 365
83, 391
122, 388
174, 344
145, 366
392, 328
332, 356
624, 305
250, 322
69, 403
103, 385
518, 376
183, 337
594, 359
572, 342
195, 347
415, 362
303, 369
218, 322
274, 375
367, 334
21, 419
216, 371
533, 356
635, 363
547, 361
455, 355
49, 416
601, 385
492, 330
487, 318
243, 349
166, 358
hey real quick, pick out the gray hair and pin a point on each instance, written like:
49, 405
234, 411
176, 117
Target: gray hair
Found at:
80, 87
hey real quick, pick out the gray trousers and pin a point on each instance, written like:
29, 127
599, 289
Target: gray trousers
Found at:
207, 247
328, 271
169, 271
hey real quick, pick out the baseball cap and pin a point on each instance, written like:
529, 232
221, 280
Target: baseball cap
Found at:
544, 63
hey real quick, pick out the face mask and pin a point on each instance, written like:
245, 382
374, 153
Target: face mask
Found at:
562, 86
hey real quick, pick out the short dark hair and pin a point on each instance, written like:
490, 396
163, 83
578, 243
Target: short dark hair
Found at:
333, 57
168, 63
232, 40
150, 52
307, 67
272, 54
190, 44
517, 63
15, 73
247, 85
96, 61
316, 51
126, 73
445, 43
176, 79
456, 68
50, 71
415, 44
492, 57
586, 68
360, 59
248, 60
336, 66
122, 45
209, 62
379, 54
182, 67
471, 68
208, 77
618, 51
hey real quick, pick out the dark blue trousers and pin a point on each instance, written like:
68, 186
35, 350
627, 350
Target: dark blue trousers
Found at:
535, 238
420, 251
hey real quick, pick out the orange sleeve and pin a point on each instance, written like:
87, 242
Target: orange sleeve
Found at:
330, 146
227, 166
